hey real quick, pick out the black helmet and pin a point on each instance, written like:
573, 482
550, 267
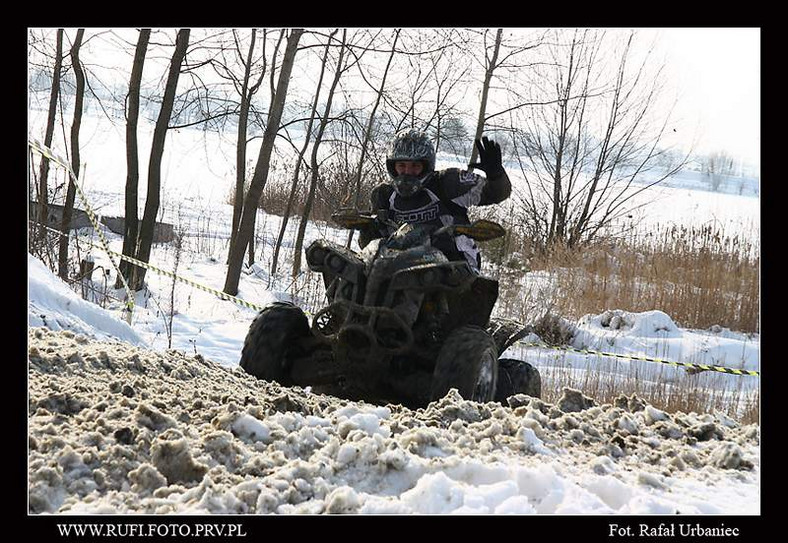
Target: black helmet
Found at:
411, 145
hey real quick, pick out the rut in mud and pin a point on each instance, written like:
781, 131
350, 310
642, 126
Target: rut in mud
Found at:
118, 429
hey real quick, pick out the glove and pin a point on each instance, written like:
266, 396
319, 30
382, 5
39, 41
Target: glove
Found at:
489, 157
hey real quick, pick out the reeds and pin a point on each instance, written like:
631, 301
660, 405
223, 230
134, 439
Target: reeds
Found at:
688, 393
700, 276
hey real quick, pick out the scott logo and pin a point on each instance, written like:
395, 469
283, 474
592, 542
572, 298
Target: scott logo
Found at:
423, 215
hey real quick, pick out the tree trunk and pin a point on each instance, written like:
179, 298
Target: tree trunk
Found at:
558, 220
488, 74
240, 153
310, 198
43, 189
145, 237
131, 225
246, 225
68, 207
294, 186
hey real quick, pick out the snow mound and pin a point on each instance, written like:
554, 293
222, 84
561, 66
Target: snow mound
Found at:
648, 324
51, 303
114, 428
654, 334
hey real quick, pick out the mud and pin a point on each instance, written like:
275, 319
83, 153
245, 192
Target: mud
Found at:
117, 429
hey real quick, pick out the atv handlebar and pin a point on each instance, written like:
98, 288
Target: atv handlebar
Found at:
480, 230
353, 220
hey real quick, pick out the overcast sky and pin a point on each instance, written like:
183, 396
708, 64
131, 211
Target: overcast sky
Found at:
717, 72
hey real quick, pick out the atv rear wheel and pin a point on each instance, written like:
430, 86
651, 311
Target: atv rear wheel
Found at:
517, 377
467, 361
273, 338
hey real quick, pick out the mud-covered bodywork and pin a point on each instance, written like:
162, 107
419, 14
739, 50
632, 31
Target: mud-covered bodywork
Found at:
391, 309
399, 295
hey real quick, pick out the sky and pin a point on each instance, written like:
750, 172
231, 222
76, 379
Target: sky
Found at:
717, 74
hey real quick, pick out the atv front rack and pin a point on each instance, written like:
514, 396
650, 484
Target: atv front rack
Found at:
363, 329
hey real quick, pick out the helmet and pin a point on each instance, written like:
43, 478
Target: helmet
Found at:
411, 145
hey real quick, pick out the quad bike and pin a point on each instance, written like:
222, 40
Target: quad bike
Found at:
404, 324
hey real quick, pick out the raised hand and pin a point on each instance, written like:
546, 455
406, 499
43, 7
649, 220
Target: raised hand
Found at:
489, 157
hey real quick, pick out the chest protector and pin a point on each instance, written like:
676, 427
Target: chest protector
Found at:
425, 208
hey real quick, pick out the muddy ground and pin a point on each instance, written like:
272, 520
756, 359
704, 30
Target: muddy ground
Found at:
118, 429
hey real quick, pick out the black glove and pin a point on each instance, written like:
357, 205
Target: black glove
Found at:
489, 157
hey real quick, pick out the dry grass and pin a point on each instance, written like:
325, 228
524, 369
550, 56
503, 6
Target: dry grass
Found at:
699, 276
699, 393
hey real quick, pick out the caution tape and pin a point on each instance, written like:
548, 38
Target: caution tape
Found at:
224, 296
218, 293
244, 303
702, 367
51, 155
48, 153
160, 271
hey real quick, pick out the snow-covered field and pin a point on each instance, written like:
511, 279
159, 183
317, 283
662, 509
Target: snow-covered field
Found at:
119, 424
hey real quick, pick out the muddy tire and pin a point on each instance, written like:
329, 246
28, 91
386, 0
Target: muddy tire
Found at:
273, 338
467, 361
517, 377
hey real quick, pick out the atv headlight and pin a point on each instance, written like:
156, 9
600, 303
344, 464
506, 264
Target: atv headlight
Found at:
336, 263
324, 257
428, 277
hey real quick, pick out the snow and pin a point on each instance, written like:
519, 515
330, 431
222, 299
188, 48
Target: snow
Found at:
123, 422
196, 451
53, 304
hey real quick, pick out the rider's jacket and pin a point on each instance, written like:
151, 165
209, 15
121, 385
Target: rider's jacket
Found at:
444, 200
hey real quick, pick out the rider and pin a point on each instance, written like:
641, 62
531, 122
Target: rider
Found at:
419, 194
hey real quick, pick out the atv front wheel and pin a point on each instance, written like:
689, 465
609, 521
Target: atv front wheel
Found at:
467, 361
517, 377
272, 340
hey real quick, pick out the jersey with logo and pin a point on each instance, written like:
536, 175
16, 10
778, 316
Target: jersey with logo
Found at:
443, 201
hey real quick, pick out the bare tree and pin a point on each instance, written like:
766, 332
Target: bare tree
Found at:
314, 163
299, 160
131, 220
272, 83
592, 142
245, 230
68, 207
503, 56
491, 63
717, 164
43, 189
379, 93
254, 67
152, 200
447, 69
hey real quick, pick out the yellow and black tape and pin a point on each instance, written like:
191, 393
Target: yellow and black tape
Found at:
700, 367
160, 271
218, 293
49, 154
589, 352
224, 296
